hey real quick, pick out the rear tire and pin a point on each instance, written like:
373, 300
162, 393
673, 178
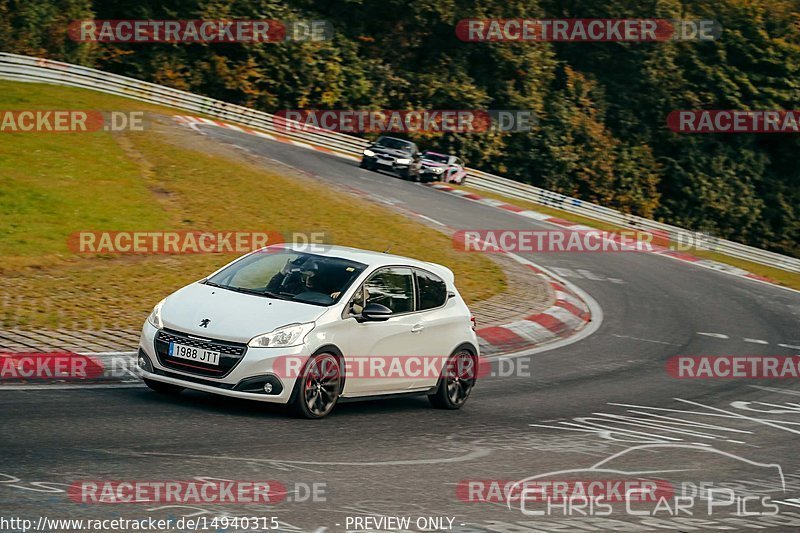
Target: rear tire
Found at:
163, 388
318, 386
456, 382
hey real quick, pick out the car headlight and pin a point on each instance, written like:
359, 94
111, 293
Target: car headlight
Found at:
438, 170
155, 315
283, 337
369, 153
403, 161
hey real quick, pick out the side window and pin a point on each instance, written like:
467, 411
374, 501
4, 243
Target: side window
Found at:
432, 290
392, 287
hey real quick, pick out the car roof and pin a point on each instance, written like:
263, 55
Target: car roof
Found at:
368, 257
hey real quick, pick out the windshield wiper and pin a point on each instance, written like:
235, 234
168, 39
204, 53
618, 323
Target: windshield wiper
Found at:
244, 290
276, 295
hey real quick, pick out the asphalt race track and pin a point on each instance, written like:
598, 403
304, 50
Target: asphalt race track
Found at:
607, 396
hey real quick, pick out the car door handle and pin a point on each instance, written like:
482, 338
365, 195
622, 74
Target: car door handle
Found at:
417, 328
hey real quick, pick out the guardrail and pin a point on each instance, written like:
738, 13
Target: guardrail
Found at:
32, 69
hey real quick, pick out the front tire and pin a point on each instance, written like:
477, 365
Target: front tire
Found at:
163, 388
456, 382
318, 387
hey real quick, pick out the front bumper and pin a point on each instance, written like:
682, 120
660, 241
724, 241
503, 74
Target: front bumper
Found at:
428, 174
258, 364
383, 164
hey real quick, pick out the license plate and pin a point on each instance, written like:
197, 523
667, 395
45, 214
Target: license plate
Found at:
193, 354
384, 162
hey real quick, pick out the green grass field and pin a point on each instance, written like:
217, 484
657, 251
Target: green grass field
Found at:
166, 178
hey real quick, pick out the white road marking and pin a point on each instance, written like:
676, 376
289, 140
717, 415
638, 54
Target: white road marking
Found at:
565, 272
755, 341
588, 274
384, 200
492, 202
534, 215
769, 423
791, 347
429, 219
794, 502
582, 273
643, 340
715, 335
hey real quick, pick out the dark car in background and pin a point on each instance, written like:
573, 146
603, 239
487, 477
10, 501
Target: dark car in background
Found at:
391, 154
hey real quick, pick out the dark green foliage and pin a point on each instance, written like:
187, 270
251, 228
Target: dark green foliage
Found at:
602, 107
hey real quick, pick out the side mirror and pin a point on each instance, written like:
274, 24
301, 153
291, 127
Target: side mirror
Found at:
376, 313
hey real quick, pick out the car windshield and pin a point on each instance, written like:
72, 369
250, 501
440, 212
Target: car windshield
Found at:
289, 275
436, 158
396, 144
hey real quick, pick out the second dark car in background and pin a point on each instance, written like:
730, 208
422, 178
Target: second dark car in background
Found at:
394, 155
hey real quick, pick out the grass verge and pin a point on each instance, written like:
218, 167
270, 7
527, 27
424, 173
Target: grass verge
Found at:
166, 178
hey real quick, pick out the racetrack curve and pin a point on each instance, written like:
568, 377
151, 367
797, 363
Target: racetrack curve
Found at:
400, 457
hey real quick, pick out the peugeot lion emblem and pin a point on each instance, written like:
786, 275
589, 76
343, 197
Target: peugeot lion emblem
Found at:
204, 322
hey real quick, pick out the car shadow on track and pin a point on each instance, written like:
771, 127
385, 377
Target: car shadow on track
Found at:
198, 403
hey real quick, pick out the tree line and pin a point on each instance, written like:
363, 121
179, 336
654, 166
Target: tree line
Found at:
601, 132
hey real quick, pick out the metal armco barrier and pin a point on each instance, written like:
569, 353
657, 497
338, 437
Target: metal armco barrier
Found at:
31, 69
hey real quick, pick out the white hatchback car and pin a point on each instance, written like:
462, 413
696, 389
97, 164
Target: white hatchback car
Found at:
289, 326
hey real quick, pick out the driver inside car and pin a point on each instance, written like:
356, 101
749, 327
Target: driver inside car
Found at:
301, 280
298, 276
292, 279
